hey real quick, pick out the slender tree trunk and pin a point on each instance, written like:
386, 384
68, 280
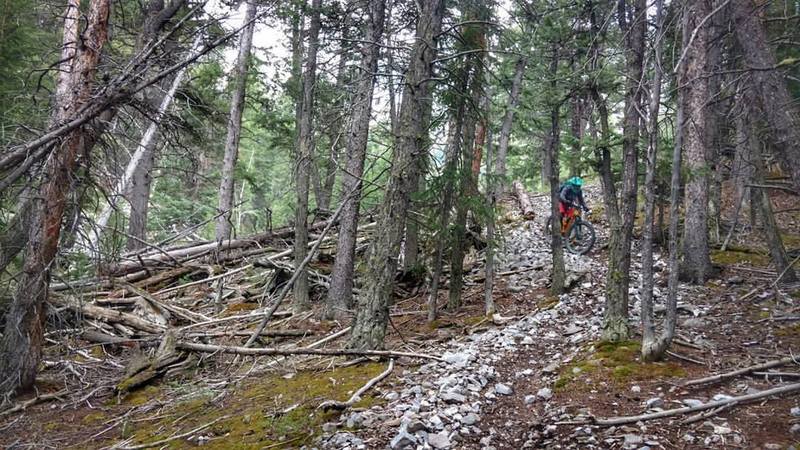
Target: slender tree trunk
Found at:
772, 233
651, 349
576, 129
305, 148
742, 170
15, 237
448, 175
372, 316
226, 188
491, 199
508, 121
780, 109
551, 172
340, 294
615, 318
21, 346
696, 257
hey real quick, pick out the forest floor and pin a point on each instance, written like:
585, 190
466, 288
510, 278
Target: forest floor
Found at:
532, 376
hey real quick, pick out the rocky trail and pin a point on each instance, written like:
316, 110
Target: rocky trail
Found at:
535, 375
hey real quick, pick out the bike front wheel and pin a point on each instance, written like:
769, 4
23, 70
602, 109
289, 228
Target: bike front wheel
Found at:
580, 237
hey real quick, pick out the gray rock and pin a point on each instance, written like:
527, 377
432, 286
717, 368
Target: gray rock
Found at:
632, 440
391, 396
655, 402
795, 429
545, 393
329, 427
551, 368
457, 359
439, 440
402, 440
529, 399
452, 397
692, 402
416, 425
694, 322
503, 389
720, 397
470, 419
795, 411
636, 389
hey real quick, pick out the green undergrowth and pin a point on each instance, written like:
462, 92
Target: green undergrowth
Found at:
740, 256
618, 362
547, 302
274, 412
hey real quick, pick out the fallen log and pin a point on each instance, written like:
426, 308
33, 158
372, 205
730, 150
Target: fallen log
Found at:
616, 421
524, 201
744, 371
249, 351
186, 253
109, 315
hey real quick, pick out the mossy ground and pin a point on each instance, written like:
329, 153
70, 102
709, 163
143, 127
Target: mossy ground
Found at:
618, 362
275, 412
742, 256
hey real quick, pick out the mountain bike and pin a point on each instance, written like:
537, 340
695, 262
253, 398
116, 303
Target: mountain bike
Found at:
578, 234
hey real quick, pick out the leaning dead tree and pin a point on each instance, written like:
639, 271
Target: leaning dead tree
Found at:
21, 346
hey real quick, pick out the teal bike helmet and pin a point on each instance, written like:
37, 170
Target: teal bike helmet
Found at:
577, 181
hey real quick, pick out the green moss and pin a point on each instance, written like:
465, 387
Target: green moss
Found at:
547, 302
274, 410
730, 257
93, 418
616, 361
142, 396
790, 241
791, 330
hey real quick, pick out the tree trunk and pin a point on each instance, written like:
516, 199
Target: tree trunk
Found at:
471, 147
696, 258
615, 318
372, 316
651, 349
780, 109
340, 294
742, 169
576, 129
491, 199
508, 121
305, 148
226, 188
21, 347
772, 234
551, 171
448, 176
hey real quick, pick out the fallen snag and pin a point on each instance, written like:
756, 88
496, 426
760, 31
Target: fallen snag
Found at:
744, 371
614, 421
208, 348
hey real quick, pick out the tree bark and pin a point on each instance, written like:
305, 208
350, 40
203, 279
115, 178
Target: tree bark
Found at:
21, 346
226, 188
305, 148
491, 199
471, 147
772, 233
615, 318
369, 326
508, 121
340, 294
551, 170
696, 258
780, 109
448, 176
653, 349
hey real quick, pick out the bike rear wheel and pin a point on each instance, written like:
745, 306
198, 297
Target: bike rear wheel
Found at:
580, 237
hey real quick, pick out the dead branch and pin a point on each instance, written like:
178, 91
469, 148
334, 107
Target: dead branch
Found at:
615, 421
744, 371
22, 406
333, 404
207, 348
706, 414
173, 438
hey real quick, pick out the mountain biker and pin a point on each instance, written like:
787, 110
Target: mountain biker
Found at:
570, 196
